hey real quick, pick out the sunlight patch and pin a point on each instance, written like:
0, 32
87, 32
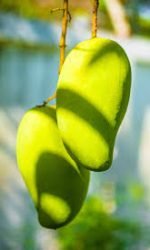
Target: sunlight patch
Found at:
56, 207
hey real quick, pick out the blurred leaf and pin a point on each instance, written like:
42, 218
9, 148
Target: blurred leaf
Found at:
136, 191
95, 229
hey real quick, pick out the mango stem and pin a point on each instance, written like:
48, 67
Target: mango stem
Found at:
95, 18
62, 43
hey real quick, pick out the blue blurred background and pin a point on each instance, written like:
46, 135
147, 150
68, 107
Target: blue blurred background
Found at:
116, 214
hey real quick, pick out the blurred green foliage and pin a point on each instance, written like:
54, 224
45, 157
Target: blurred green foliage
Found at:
38, 9
26, 8
96, 229
140, 24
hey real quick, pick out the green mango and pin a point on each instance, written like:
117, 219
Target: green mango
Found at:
92, 97
56, 184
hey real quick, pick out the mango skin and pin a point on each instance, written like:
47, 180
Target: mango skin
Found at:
56, 184
92, 96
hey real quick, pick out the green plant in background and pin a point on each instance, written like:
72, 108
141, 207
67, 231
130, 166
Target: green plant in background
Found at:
24, 8
38, 10
140, 24
96, 229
